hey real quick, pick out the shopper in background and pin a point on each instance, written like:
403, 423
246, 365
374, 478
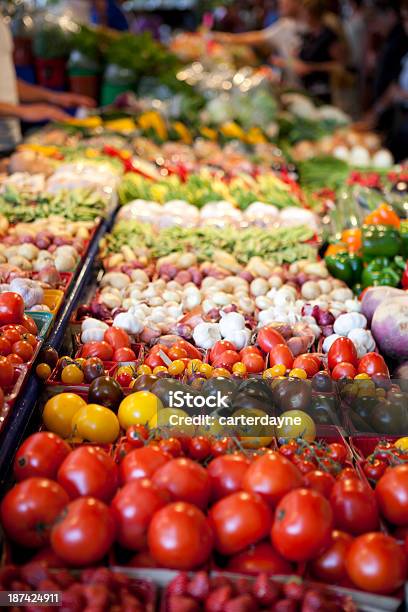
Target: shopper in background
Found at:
13, 90
108, 13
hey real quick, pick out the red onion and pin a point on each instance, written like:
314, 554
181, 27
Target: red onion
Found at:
168, 271
250, 322
183, 277
42, 242
301, 278
52, 248
327, 330
149, 336
213, 314
230, 308
246, 276
185, 331
62, 240
196, 276
27, 239
311, 311
325, 317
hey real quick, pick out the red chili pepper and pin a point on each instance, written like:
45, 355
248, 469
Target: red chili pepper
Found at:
404, 280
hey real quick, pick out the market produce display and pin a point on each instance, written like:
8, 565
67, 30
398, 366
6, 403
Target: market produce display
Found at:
227, 400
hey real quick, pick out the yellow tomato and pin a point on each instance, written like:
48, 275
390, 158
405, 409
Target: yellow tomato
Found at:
96, 424
305, 429
194, 366
402, 443
239, 368
158, 369
163, 418
298, 373
126, 370
143, 369
43, 371
72, 375
221, 372
59, 411
138, 408
176, 367
206, 369
362, 376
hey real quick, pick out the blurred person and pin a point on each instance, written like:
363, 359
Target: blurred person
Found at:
41, 104
108, 13
282, 36
387, 21
322, 54
355, 27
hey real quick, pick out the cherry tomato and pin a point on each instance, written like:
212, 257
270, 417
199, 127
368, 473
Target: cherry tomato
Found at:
117, 338
226, 359
226, 474
124, 379
30, 508
373, 363
342, 351
303, 525
31, 339
199, 448
375, 562
136, 435
260, 558
249, 349
14, 359
40, 455
254, 363
330, 565
103, 350
133, 507
320, 481
23, 349
304, 466
11, 308
192, 351
30, 325
239, 520
337, 452
11, 334
268, 338
6, 373
177, 352
221, 446
142, 463
124, 354
84, 533
392, 495
281, 355
343, 370
5, 346
72, 375
220, 347
172, 446
374, 468
184, 480
89, 471
308, 364
153, 360
180, 537
272, 476
354, 507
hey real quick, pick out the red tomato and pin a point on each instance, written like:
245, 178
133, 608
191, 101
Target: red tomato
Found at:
89, 471
343, 370
6, 373
220, 347
172, 446
308, 364
320, 481
281, 355
347, 473
142, 463
226, 359
330, 565
373, 363
354, 507
375, 562
40, 455
268, 338
342, 350
303, 524
103, 350
226, 474
177, 352
159, 348
5, 346
254, 363
84, 533
23, 349
180, 537
153, 360
14, 359
192, 351
250, 349
260, 558
136, 435
30, 325
239, 520
392, 495
221, 446
374, 468
11, 334
133, 507
30, 508
271, 476
11, 308
199, 448
337, 452
184, 480
117, 337
124, 354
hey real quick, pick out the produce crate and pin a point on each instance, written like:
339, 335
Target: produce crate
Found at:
43, 320
137, 348
66, 279
12, 393
53, 298
363, 445
55, 384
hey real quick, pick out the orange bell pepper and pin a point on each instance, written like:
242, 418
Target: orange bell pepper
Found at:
333, 249
383, 215
353, 239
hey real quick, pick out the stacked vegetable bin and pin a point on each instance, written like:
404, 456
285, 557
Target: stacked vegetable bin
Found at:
206, 300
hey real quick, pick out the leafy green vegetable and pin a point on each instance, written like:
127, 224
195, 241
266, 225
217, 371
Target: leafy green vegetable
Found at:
323, 171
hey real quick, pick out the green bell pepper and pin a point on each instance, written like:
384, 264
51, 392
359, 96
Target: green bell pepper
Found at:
380, 241
346, 267
381, 271
404, 239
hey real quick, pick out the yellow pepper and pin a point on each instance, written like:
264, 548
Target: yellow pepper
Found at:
182, 131
255, 136
154, 121
209, 133
87, 122
125, 125
232, 130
